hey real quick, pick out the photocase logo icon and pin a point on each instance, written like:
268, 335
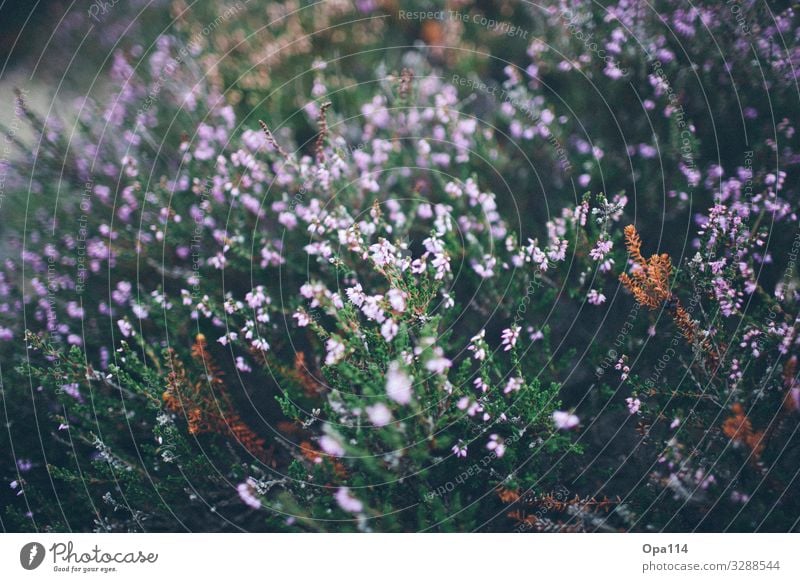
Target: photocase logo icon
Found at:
31, 555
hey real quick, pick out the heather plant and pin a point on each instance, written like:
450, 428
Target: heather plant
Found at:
428, 288
374, 306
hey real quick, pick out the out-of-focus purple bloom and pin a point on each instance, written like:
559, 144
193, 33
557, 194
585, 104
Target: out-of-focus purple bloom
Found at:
565, 420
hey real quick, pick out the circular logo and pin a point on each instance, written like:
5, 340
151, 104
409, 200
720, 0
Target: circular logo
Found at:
31, 555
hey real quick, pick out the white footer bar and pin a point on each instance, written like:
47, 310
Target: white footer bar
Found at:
357, 557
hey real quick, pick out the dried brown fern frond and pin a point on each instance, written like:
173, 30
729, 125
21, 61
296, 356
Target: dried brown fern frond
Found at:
199, 346
639, 291
314, 455
634, 244
522, 517
649, 278
205, 403
529, 511
196, 421
213, 375
177, 383
739, 428
243, 434
685, 324
648, 282
306, 376
552, 502
507, 495
659, 270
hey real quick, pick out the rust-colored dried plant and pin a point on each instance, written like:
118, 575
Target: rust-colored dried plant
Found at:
649, 278
739, 428
529, 509
649, 284
205, 403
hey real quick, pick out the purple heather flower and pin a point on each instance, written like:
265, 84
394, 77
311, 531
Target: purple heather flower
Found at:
389, 329
596, 298
565, 420
397, 299
331, 446
24, 465
398, 384
513, 385
496, 444
509, 337
72, 390
601, 249
460, 449
347, 502
246, 493
125, 327
478, 346
302, 318
634, 404
438, 364
379, 414
336, 351
242, 366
